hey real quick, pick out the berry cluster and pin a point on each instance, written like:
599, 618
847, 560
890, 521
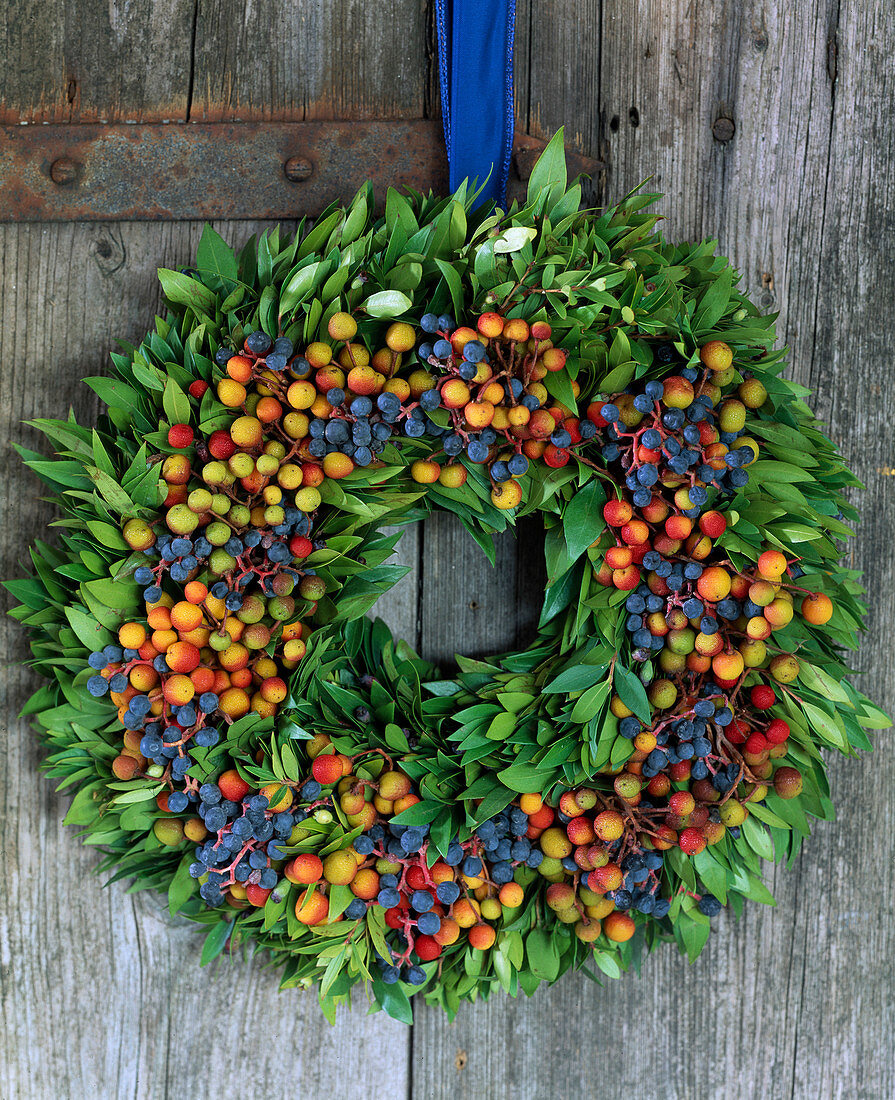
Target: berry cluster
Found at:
691, 614
247, 840
489, 380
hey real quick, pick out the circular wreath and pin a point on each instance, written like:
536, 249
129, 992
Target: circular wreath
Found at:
240, 735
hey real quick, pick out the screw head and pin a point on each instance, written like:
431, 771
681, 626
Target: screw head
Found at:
723, 129
63, 170
298, 169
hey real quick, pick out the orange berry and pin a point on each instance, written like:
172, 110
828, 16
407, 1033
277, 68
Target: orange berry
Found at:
817, 608
772, 565
313, 909
304, 869
618, 927
482, 936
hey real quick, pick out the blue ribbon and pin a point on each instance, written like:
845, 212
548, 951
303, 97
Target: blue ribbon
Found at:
475, 58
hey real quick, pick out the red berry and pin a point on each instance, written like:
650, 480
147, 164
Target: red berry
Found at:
393, 917
681, 803
756, 743
233, 786
571, 425
762, 696
777, 732
327, 769
595, 413
691, 842
180, 436
712, 524
416, 878
198, 388
555, 456
426, 948
220, 445
300, 546
736, 733
256, 895
680, 771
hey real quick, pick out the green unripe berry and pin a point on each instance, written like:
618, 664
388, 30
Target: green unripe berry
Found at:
220, 504
282, 584
733, 814
138, 534
200, 500
281, 608
241, 464
662, 694
672, 663
252, 610
219, 642
548, 867
256, 636
168, 832
732, 416
312, 588
784, 668
214, 473
240, 515
274, 515
681, 641
752, 393
568, 916
221, 562
217, 533
181, 520
267, 465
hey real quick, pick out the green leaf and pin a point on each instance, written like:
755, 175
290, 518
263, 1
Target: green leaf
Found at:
631, 692
182, 886
549, 174
757, 838
514, 239
583, 521
541, 954
387, 303
590, 702
87, 629
825, 726
183, 290
215, 256
215, 941
578, 678
175, 403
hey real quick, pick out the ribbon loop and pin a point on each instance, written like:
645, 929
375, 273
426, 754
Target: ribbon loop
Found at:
475, 57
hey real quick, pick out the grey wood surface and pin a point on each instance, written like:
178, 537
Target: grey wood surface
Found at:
100, 993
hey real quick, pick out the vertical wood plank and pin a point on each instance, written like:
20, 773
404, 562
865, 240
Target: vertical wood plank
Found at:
304, 59
109, 976
102, 993
95, 61
788, 1002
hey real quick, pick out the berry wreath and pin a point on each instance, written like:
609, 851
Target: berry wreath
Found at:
239, 734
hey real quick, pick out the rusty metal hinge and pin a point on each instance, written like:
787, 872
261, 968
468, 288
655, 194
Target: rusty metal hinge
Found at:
173, 171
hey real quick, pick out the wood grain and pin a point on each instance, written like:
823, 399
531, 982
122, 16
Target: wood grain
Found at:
794, 1001
101, 995
100, 992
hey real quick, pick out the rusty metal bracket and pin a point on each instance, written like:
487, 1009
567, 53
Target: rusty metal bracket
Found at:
173, 171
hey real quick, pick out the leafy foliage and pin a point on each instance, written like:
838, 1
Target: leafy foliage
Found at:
535, 720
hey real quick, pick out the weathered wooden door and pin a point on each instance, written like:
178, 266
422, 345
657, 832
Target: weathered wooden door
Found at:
768, 125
